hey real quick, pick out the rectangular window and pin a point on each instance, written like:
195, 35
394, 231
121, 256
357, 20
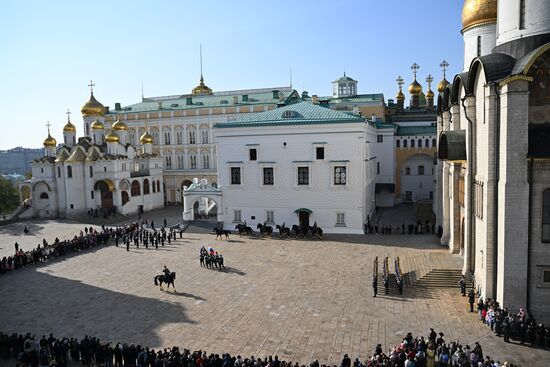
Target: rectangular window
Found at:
193, 161
268, 176
521, 14
340, 175
204, 136
236, 215
69, 171
253, 154
478, 46
379, 138
546, 215
205, 162
412, 143
320, 153
92, 194
235, 175
546, 276
58, 171
478, 197
270, 216
340, 219
378, 167
408, 196
303, 175
192, 137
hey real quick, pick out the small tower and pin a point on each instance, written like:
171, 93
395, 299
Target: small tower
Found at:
112, 141
49, 144
146, 141
69, 132
344, 87
443, 83
98, 132
415, 88
91, 111
429, 94
121, 129
400, 97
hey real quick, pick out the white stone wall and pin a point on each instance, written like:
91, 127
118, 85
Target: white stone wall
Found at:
487, 34
342, 142
537, 19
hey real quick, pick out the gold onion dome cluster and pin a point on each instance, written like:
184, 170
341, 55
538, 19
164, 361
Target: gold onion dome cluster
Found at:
97, 125
415, 88
400, 96
119, 126
49, 141
112, 137
429, 94
442, 85
92, 107
146, 138
69, 127
478, 12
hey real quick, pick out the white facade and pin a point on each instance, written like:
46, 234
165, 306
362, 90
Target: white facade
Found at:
302, 177
478, 41
536, 19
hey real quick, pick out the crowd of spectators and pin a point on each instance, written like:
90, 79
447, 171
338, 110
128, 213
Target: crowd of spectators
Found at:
30, 351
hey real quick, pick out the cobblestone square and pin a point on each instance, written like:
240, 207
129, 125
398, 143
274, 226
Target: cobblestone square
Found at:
297, 299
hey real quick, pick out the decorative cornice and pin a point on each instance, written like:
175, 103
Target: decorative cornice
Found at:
515, 78
479, 23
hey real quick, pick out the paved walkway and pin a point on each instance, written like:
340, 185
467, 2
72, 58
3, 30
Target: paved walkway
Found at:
297, 299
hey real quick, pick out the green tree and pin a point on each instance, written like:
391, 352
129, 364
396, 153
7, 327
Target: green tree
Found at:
9, 197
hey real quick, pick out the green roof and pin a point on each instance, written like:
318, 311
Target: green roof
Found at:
345, 79
416, 130
359, 98
217, 99
302, 113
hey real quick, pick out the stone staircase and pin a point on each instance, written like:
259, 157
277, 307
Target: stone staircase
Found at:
442, 278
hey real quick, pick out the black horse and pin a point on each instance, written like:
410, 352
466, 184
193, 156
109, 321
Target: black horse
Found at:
264, 229
243, 228
299, 231
283, 231
168, 279
220, 232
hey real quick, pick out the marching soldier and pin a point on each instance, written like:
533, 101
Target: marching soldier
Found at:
374, 285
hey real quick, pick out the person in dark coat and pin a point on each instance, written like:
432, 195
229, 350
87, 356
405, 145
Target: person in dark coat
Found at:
471, 299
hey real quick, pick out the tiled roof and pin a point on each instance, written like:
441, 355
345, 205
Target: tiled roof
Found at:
416, 130
302, 113
217, 99
359, 98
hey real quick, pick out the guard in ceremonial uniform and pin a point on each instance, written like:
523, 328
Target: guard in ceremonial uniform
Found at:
374, 285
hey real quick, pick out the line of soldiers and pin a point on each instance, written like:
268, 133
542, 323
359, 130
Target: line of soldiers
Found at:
386, 276
136, 235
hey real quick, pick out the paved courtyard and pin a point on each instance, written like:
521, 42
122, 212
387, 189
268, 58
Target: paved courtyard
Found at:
297, 299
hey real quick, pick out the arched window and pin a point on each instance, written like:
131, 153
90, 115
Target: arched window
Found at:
408, 171
420, 143
421, 170
427, 143
405, 143
546, 215
136, 190
398, 143
412, 143
158, 186
44, 196
214, 184
434, 142
145, 187
154, 187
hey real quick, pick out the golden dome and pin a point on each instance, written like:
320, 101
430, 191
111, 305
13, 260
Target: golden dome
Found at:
92, 107
478, 11
146, 138
49, 141
400, 96
442, 85
429, 94
97, 125
69, 127
112, 137
415, 87
119, 126
202, 88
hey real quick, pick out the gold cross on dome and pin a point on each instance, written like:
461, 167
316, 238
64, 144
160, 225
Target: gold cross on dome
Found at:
91, 85
400, 82
48, 125
444, 65
429, 80
415, 68
68, 113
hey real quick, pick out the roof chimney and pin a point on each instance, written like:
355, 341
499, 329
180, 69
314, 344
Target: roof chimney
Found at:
189, 101
315, 99
275, 94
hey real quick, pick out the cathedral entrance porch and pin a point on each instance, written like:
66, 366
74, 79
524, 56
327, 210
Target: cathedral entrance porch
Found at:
105, 188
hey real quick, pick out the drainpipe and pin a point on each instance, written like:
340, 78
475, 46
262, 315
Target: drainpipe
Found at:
470, 162
495, 192
530, 212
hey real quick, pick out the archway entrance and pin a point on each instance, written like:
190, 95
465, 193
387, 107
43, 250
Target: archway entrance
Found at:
303, 216
185, 184
201, 201
105, 189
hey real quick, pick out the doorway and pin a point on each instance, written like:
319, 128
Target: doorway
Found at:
303, 218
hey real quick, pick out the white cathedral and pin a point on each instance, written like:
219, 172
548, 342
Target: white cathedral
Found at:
493, 198
101, 172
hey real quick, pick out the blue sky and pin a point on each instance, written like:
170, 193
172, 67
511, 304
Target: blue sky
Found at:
49, 50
